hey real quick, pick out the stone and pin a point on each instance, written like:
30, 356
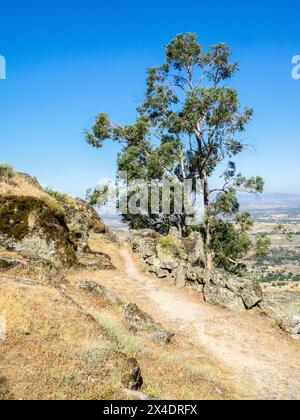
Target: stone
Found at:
36, 228
162, 273
194, 249
153, 269
153, 261
216, 277
251, 294
180, 277
223, 297
132, 375
295, 327
191, 274
168, 260
170, 264
82, 219
174, 232
236, 284
138, 320
93, 287
162, 336
95, 261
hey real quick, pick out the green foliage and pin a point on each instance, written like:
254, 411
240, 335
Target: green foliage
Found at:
7, 172
280, 228
262, 245
170, 244
189, 124
97, 196
229, 245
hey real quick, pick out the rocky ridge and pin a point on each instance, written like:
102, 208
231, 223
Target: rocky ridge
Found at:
181, 261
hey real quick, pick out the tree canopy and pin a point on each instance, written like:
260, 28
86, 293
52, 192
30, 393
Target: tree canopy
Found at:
189, 126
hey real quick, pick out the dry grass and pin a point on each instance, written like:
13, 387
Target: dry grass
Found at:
52, 350
181, 370
19, 186
56, 349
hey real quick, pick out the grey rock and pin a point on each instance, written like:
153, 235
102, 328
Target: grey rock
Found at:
162, 273
153, 261
223, 297
169, 264
191, 274
251, 294
138, 320
163, 336
236, 284
217, 278
180, 277
93, 287
194, 249
132, 375
295, 326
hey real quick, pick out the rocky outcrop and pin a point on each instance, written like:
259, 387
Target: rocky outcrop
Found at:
182, 261
81, 219
32, 227
286, 321
137, 320
131, 374
96, 288
44, 228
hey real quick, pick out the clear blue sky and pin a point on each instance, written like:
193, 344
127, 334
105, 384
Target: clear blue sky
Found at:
67, 61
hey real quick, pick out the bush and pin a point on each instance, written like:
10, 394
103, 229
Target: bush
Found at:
171, 245
6, 172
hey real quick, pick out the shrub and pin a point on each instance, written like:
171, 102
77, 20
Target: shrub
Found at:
171, 245
6, 172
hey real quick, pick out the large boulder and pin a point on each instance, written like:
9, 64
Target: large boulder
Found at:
91, 286
137, 320
143, 242
81, 220
295, 327
242, 290
251, 294
223, 297
131, 375
283, 318
36, 228
194, 249
180, 277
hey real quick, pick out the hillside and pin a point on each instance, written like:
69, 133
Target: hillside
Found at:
85, 321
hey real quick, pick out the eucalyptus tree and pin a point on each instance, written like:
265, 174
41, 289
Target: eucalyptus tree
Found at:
189, 126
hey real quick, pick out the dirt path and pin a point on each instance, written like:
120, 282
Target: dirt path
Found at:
247, 343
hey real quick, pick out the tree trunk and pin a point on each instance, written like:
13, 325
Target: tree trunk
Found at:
209, 255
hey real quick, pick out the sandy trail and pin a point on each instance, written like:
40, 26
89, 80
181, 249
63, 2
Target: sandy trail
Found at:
261, 355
